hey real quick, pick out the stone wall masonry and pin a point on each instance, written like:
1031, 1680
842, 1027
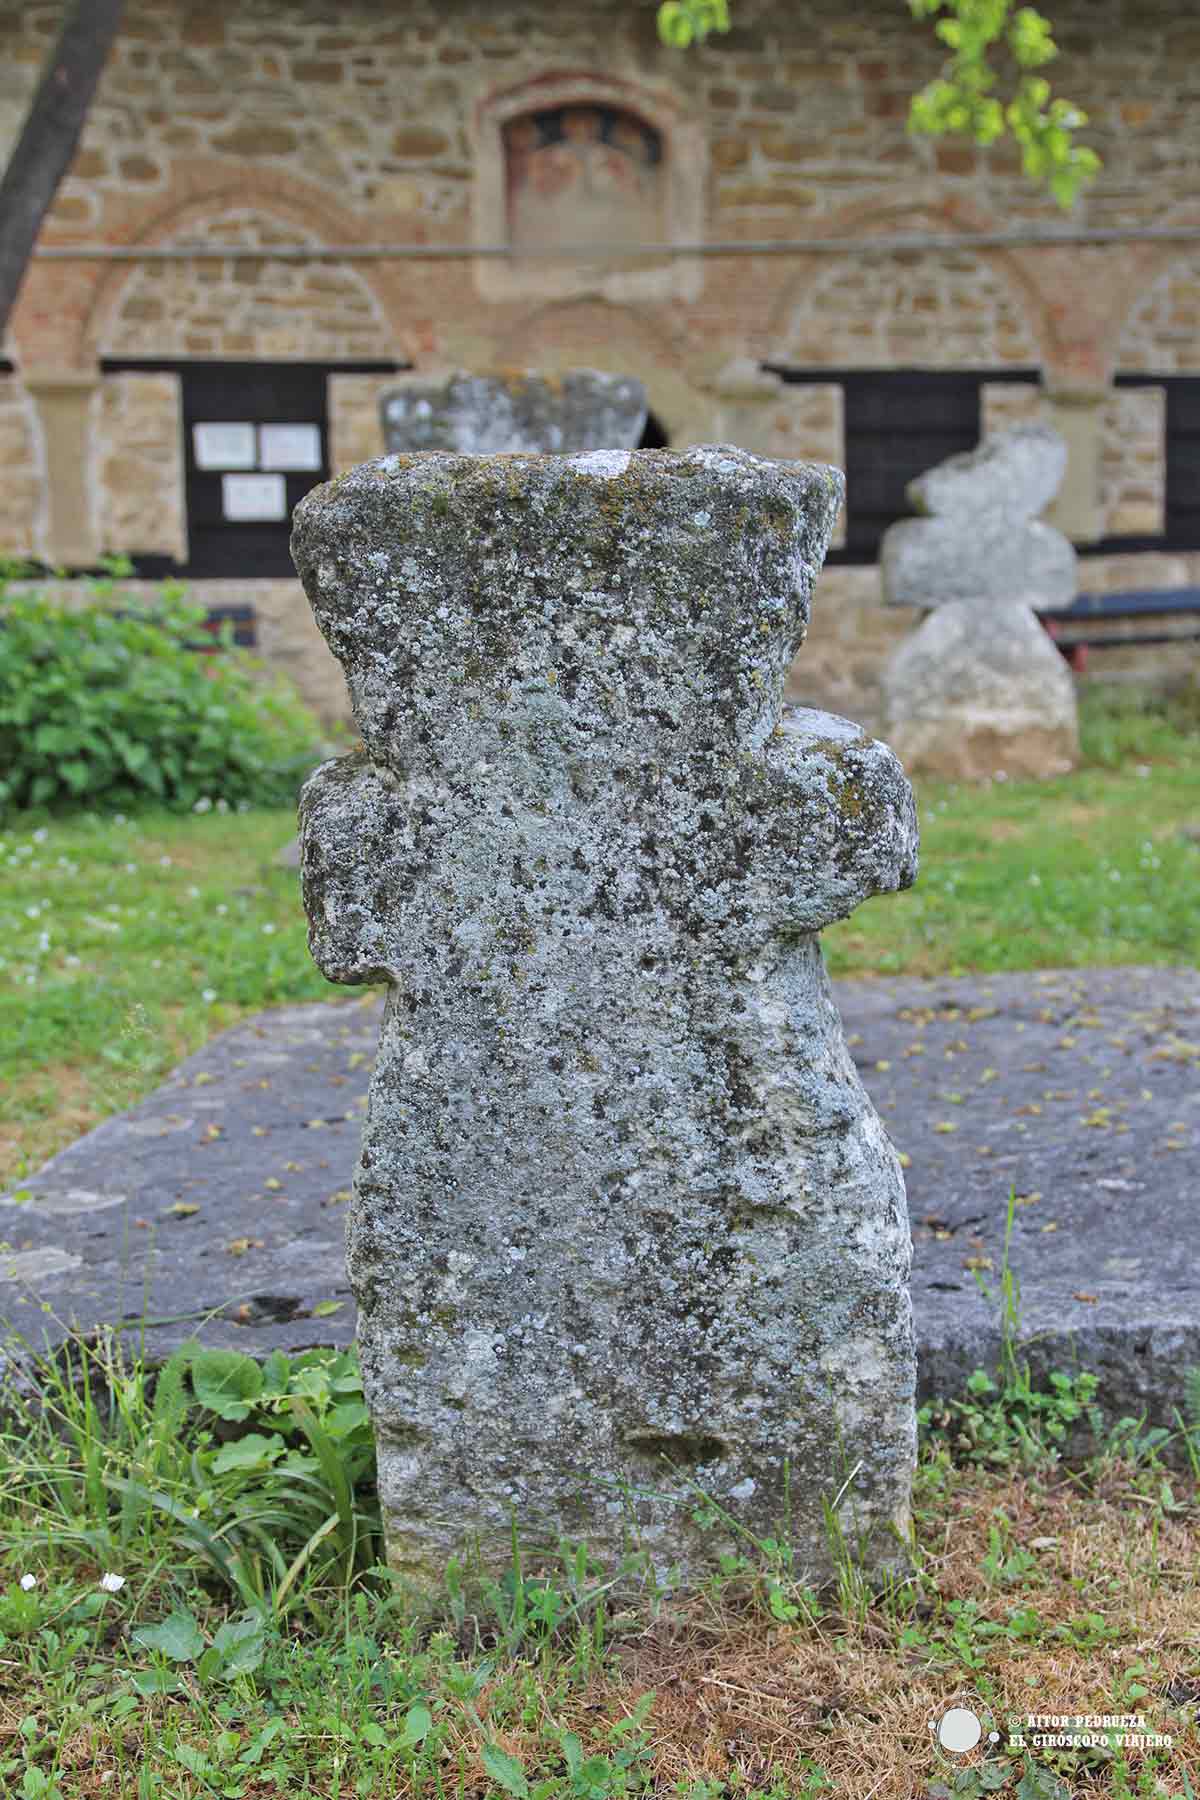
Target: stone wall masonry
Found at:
258, 123
139, 465
1133, 466
22, 485
289, 641
1003, 404
355, 433
804, 113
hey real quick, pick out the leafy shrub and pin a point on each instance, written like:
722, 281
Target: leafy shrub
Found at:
106, 702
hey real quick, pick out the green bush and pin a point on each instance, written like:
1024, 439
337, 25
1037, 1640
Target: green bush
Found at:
105, 702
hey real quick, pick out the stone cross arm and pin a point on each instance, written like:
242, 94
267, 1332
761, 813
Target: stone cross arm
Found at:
798, 835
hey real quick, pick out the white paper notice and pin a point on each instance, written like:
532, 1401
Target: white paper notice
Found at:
221, 446
289, 447
246, 497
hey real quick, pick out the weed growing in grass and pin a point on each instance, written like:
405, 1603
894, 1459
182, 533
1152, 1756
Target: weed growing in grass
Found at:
116, 1484
1015, 1423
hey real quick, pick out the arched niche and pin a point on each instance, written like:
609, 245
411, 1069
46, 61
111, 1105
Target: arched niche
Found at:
908, 309
1161, 332
573, 160
243, 307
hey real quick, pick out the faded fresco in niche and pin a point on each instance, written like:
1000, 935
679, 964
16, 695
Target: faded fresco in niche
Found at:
583, 174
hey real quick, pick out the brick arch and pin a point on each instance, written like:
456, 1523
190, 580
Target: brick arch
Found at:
918, 325
250, 307
198, 191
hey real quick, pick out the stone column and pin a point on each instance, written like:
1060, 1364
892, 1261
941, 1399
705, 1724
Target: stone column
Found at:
63, 398
625, 1225
1077, 414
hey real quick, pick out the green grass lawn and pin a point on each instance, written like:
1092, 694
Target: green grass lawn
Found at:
126, 942
192, 1605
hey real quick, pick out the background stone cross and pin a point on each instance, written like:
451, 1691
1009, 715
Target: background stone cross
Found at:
480, 415
625, 1222
980, 538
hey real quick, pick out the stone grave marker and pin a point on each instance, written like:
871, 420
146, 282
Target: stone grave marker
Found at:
979, 688
520, 410
481, 415
625, 1224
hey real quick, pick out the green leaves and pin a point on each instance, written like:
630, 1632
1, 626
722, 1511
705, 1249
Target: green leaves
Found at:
178, 1637
961, 101
682, 22
226, 1382
107, 700
506, 1770
254, 1451
238, 1648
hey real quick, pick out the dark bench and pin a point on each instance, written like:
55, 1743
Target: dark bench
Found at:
1074, 627
245, 628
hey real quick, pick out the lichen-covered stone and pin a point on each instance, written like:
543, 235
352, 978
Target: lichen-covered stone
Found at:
1016, 472
625, 1220
971, 694
483, 415
982, 689
980, 539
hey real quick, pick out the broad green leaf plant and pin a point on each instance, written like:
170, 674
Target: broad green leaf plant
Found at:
962, 101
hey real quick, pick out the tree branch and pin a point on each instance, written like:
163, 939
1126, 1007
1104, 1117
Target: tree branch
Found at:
47, 144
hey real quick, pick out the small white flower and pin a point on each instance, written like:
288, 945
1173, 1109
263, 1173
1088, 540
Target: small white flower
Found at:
222, 910
73, 962
28, 1581
119, 819
243, 806
164, 862
1001, 775
1114, 874
268, 929
203, 805
1035, 881
43, 941
33, 912
156, 964
222, 806
193, 893
209, 995
131, 868
40, 836
112, 1584
1143, 769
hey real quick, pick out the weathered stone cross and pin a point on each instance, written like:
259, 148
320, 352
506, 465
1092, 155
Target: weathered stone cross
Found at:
625, 1225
